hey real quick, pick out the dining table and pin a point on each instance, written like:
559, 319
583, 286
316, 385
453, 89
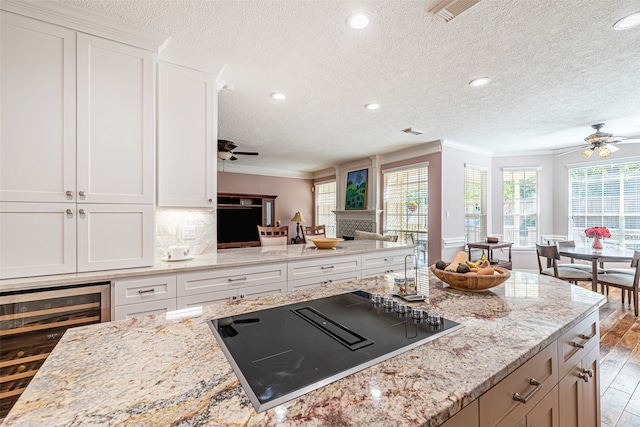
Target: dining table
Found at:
596, 257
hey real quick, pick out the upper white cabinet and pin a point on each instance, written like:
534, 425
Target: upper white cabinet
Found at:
77, 140
187, 137
115, 122
38, 132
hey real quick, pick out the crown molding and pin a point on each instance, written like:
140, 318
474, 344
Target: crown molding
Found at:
467, 148
87, 22
423, 149
255, 170
197, 61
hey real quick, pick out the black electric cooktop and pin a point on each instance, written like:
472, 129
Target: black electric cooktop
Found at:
284, 352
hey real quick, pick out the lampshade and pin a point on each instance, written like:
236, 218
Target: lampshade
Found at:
587, 153
225, 155
298, 217
604, 151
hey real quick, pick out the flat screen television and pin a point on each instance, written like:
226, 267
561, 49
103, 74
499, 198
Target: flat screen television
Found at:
239, 224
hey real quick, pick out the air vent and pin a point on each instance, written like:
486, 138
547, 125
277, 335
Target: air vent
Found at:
449, 9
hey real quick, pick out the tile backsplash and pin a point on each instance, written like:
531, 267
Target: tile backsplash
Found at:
195, 228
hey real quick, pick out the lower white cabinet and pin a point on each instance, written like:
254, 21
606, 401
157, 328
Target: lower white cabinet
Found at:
324, 279
144, 309
223, 279
231, 294
143, 296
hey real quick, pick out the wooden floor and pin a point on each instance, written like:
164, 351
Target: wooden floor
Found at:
619, 363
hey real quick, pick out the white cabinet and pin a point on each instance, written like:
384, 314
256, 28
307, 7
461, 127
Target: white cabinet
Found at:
114, 236
323, 271
228, 284
115, 122
386, 262
38, 132
37, 239
187, 137
143, 296
78, 130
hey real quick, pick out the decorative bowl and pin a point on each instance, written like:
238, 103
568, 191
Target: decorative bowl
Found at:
325, 242
472, 282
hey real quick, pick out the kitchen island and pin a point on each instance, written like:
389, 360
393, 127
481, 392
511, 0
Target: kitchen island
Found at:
169, 369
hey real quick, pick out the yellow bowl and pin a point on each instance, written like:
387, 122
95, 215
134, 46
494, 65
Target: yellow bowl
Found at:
325, 242
472, 282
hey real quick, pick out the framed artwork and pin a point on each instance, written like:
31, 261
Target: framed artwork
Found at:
356, 190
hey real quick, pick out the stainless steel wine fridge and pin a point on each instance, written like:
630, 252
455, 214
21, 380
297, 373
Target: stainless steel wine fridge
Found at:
32, 323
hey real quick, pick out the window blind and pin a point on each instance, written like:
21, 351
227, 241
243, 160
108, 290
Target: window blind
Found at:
606, 195
325, 205
406, 203
475, 203
520, 201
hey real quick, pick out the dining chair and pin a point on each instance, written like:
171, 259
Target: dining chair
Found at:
551, 256
313, 231
584, 267
625, 282
273, 236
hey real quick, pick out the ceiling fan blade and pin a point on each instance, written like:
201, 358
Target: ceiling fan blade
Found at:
225, 145
572, 150
246, 153
627, 141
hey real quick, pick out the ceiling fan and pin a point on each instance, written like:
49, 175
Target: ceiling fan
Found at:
601, 142
225, 151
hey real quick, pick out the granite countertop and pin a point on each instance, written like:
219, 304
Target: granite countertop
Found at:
219, 259
169, 370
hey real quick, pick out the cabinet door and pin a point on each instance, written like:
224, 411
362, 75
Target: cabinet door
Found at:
187, 137
37, 239
115, 122
467, 417
591, 389
545, 413
38, 104
114, 236
144, 309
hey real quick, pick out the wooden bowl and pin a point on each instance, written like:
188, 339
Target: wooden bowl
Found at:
472, 282
325, 242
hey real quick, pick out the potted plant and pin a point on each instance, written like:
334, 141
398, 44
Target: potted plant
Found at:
412, 206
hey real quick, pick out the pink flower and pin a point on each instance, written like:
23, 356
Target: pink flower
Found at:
597, 232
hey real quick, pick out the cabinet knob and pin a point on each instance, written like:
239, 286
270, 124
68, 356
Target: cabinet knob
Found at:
588, 372
69, 193
210, 200
69, 211
82, 193
241, 296
234, 297
585, 377
81, 212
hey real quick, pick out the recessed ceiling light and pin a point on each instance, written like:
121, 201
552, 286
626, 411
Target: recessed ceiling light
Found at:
372, 106
627, 22
358, 21
480, 81
279, 96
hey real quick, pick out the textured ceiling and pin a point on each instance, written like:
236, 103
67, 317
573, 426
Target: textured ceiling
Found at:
557, 67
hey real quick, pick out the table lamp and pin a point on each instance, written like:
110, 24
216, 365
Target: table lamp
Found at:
298, 218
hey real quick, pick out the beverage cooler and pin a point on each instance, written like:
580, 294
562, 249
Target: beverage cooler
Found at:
32, 323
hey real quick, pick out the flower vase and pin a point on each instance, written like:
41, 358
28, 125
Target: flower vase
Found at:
597, 244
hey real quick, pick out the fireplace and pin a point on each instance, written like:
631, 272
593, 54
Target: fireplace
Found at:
347, 222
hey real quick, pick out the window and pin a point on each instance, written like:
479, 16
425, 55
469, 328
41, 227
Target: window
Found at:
520, 202
406, 204
325, 205
475, 204
606, 195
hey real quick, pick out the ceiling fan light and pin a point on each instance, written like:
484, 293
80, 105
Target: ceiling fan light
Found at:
627, 22
604, 151
225, 155
587, 153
